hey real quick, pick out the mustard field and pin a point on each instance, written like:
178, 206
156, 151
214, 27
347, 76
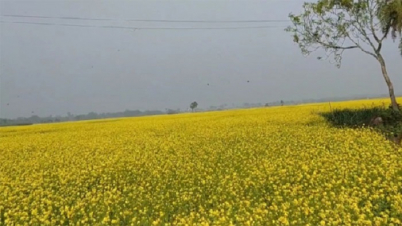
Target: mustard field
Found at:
268, 166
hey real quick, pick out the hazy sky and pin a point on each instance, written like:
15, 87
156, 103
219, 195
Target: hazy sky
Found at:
60, 69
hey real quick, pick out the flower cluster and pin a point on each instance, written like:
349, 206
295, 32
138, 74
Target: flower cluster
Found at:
270, 166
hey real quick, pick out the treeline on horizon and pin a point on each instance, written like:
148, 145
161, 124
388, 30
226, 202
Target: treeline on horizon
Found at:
34, 119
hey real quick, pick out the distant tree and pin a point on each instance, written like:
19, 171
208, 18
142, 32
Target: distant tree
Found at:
193, 105
34, 119
222, 106
213, 108
171, 111
282, 102
70, 116
92, 115
266, 105
339, 25
79, 117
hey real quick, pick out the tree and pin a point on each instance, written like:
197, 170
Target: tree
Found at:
193, 105
171, 111
339, 25
282, 102
390, 16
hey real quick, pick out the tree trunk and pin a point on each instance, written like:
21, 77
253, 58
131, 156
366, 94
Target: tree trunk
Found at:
394, 104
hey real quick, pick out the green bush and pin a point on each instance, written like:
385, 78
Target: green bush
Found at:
355, 118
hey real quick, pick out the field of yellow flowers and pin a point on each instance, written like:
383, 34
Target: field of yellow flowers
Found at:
268, 166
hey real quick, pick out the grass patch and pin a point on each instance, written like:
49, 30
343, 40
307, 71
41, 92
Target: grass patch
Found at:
357, 118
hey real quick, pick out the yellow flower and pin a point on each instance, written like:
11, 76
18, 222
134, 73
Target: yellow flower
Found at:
238, 167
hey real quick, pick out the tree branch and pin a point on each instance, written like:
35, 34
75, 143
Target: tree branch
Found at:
364, 34
379, 41
330, 25
335, 46
372, 24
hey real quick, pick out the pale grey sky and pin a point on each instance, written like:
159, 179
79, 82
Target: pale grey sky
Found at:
60, 69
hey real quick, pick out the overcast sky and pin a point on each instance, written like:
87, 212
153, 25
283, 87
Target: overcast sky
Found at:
52, 70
